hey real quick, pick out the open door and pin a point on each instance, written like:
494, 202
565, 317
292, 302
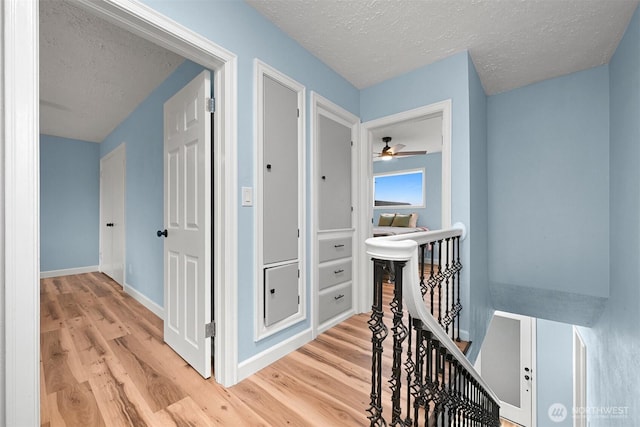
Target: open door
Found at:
187, 218
506, 365
112, 218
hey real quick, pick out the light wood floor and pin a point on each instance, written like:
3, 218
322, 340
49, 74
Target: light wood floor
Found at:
104, 363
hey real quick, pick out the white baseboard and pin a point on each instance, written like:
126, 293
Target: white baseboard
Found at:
144, 300
269, 356
68, 271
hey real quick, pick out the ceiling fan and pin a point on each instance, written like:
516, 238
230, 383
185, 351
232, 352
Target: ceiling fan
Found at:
389, 153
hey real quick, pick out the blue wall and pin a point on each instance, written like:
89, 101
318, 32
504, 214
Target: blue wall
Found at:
479, 295
548, 198
429, 216
613, 344
554, 370
142, 132
239, 28
69, 203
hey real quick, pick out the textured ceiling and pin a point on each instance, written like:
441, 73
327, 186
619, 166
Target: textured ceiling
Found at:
93, 74
512, 42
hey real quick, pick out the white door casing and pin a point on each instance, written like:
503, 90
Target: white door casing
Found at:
507, 364
364, 226
187, 218
21, 226
112, 213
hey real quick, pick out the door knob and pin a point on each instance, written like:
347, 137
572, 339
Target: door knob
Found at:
526, 377
110, 224
162, 233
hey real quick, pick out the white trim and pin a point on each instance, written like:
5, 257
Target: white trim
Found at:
272, 354
69, 271
579, 380
366, 185
144, 300
323, 106
21, 264
260, 330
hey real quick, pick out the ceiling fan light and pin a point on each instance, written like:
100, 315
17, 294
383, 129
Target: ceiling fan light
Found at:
385, 155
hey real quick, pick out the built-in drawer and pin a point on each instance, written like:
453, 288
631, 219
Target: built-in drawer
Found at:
334, 273
330, 249
334, 301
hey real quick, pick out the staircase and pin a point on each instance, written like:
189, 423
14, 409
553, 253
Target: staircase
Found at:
431, 382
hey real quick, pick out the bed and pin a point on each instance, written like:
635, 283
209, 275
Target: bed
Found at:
391, 224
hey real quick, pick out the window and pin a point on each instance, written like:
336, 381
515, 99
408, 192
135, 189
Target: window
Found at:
403, 189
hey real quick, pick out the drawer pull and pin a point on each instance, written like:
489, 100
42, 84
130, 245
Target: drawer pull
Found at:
338, 246
338, 297
338, 271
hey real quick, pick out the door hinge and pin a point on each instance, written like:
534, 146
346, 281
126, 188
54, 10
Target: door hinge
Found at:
210, 330
211, 105
298, 112
352, 143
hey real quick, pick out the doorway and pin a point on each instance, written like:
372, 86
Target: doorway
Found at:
506, 362
112, 214
371, 136
20, 66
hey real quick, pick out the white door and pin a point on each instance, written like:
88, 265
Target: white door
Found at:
187, 218
506, 365
112, 190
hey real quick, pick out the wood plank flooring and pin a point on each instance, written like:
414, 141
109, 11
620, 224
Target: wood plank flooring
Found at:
104, 363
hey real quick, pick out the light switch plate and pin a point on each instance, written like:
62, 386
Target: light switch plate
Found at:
247, 196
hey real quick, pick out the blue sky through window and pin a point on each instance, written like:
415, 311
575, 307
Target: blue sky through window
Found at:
403, 189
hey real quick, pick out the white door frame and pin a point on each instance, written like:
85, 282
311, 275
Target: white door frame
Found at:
20, 232
155, 27
364, 226
116, 151
20, 192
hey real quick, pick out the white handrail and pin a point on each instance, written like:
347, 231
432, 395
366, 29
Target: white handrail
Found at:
405, 248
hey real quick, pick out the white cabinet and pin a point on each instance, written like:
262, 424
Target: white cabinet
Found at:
335, 281
281, 293
334, 212
280, 288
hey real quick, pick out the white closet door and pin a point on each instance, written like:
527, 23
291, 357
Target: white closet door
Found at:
280, 173
334, 141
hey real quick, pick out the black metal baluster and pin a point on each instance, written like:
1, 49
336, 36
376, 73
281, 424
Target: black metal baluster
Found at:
440, 282
409, 367
379, 333
458, 303
447, 314
399, 335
